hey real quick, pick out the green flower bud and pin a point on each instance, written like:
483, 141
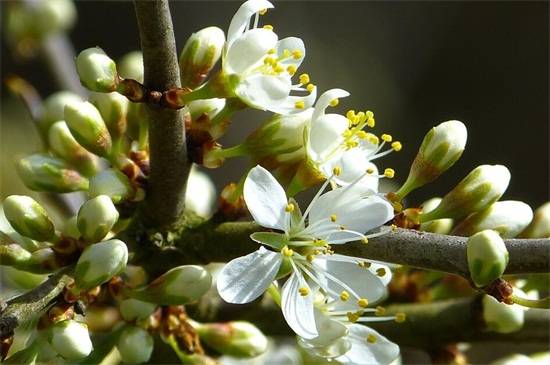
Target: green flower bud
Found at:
132, 309
20, 279
70, 227
96, 70
487, 257
180, 285
135, 345
200, 195
483, 186
113, 108
441, 226
96, 218
210, 107
71, 339
238, 339
100, 262
41, 172
88, 128
502, 317
540, 225
53, 108
13, 255
508, 218
41, 261
63, 144
28, 217
441, 148
130, 66
112, 183
200, 54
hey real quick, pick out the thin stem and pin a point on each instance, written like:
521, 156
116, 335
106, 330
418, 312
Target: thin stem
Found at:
274, 293
531, 303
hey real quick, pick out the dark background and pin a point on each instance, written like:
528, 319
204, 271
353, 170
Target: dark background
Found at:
414, 64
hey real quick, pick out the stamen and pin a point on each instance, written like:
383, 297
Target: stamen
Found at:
389, 173
363, 302
381, 272
380, 311
268, 27
310, 87
333, 217
271, 51
303, 291
397, 146
371, 122
292, 70
310, 257
297, 54
400, 317
278, 68
386, 137
269, 61
370, 171
344, 295
299, 105
365, 240
262, 12
304, 79
354, 316
334, 102
350, 114
364, 264
371, 338
287, 252
369, 114
289, 208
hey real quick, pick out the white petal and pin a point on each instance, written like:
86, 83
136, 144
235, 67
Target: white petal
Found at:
288, 106
353, 163
325, 135
249, 50
297, 309
241, 19
292, 44
325, 99
265, 198
329, 330
383, 351
264, 92
246, 278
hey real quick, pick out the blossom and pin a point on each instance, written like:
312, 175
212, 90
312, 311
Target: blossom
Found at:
303, 249
259, 67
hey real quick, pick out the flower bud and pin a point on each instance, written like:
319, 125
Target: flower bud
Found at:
41, 172
200, 54
96, 218
88, 128
112, 183
210, 107
100, 262
508, 218
113, 108
200, 196
28, 217
441, 226
487, 257
14, 255
42, 261
130, 66
180, 285
238, 339
71, 339
132, 309
441, 148
540, 225
70, 227
483, 186
135, 345
63, 144
513, 359
96, 70
53, 108
502, 317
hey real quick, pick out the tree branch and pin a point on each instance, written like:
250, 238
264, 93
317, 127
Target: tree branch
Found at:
169, 163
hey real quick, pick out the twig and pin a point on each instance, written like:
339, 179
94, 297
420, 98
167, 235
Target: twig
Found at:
169, 163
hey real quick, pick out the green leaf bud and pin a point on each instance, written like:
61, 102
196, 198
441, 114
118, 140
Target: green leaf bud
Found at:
540, 225
28, 217
132, 309
100, 262
96, 218
113, 108
180, 285
483, 186
71, 339
441, 148
53, 108
96, 70
63, 144
41, 172
130, 66
200, 54
135, 345
238, 339
508, 218
502, 317
487, 257
88, 128
112, 183
441, 226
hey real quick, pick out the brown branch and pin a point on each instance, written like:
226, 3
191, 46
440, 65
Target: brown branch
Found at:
169, 163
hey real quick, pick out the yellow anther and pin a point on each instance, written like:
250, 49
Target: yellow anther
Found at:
287, 252
337, 171
381, 272
303, 291
271, 51
289, 208
364, 264
369, 114
344, 295
351, 144
350, 114
334, 102
363, 303
386, 137
361, 117
365, 240
353, 317
304, 79
370, 171
278, 68
297, 54
310, 257
372, 138
268, 27
347, 133
286, 54
299, 105
262, 12
400, 317
333, 217
269, 61
310, 87
291, 69
380, 311
371, 338
371, 122
393, 227
342, 228
361, 134
389, 173
397, 146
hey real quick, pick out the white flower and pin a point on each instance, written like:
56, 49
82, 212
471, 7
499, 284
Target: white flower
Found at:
336, 217
259, 66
